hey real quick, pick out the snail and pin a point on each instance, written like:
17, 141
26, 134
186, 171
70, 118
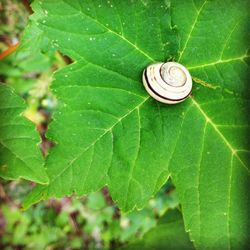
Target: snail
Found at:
168, 82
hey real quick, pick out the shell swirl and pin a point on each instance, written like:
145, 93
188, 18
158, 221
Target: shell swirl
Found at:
168, 82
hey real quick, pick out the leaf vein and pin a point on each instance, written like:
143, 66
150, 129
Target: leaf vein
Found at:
95, 141
115, 33
241, 58
233, 150
192, 29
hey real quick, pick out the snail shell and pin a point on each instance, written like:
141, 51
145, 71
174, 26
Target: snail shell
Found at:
168, 82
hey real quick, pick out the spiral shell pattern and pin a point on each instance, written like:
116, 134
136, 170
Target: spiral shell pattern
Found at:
168, 82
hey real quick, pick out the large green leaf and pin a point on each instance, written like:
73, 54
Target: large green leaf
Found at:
108, 131
210, 165
106, 127
168, 234
19, 153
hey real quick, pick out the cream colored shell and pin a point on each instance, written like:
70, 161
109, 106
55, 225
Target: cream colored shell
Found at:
168, 82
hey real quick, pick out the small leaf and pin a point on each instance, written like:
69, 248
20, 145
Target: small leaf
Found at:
20, 155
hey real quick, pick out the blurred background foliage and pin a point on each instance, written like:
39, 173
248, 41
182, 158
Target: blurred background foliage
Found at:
92, 222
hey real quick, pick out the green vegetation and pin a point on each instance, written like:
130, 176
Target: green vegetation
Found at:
112, 160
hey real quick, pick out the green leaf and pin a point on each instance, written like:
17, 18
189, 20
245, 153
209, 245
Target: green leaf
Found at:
210, 165
168, 234
30, 62
109, 132
20, 155
34, 54
106, 127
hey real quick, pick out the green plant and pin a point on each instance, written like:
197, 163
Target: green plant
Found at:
108, 131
